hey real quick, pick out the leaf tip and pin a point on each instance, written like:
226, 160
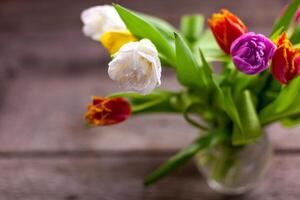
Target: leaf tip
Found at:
175, 35
115, 4
146, 183
201, 53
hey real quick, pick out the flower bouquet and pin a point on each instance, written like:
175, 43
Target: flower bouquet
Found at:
234, 83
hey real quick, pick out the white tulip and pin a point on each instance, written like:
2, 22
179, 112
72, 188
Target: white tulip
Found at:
136, 67
100, 19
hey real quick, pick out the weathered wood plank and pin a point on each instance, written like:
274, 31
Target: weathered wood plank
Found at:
114, 177
42, 112
169, 9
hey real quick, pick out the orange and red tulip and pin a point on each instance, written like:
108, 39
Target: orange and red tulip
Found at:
286, 60
226, 27
107, 111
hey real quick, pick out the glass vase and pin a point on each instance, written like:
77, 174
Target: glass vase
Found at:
235, 169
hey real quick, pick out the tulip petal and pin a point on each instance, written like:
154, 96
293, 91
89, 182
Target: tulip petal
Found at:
114, 40
279, 64
226, 27
100, 19
106, 111
286, 60
251, 52
242, 65
297, 64
136, 67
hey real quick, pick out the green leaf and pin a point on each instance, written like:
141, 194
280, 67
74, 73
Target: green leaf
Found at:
208, 74
164, 27
287, 95
283, 101
186, 114
207, 41
230, 108
213, 55
188, 71
267, 115
249, 119
276, 33
285, 20
206, 67
244, 81
191, 26
141, 28
210, 48
146, 105
157, 101
211, 139
296, 46
135, 95
244, 116
291, 121
295, 38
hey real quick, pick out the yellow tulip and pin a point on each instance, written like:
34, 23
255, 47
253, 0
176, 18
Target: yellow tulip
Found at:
114, 40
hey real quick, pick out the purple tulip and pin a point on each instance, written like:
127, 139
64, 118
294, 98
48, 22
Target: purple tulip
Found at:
251, 52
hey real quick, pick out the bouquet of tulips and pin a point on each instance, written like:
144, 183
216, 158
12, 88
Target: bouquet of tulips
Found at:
234, 82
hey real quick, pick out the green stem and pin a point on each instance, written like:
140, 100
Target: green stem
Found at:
209, 140
190, 120
226, 161
261, 94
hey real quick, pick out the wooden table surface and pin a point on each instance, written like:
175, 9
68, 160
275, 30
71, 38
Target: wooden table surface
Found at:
48, 71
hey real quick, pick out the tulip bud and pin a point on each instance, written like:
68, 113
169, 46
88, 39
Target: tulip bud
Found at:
100, 19
251, 53
226, 27
286, 60
136, 67
106, 111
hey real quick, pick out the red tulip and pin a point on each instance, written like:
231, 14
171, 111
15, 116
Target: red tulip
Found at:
107, 111
226, 27
286, 60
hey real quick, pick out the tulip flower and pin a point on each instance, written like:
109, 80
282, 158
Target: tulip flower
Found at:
100, 19
114, 40
296, 19
136, 67
251, 53
226, 27
107, 111
286, 60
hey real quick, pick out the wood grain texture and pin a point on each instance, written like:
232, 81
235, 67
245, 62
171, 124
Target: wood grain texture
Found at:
119, 177
46, 113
